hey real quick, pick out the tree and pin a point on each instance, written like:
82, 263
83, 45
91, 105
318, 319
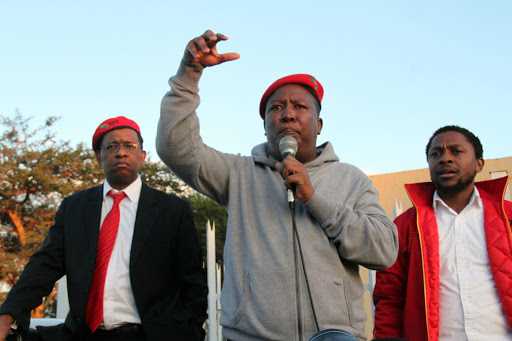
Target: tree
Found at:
157, 175
36, 173
205, 209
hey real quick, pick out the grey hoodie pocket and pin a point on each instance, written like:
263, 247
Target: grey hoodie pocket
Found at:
333, 303
267, 304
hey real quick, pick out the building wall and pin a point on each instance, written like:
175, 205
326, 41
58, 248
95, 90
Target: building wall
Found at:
395, 200
394, 197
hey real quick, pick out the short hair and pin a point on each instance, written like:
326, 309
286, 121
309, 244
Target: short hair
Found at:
470, 137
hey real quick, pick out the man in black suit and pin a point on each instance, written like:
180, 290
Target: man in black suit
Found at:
153, 285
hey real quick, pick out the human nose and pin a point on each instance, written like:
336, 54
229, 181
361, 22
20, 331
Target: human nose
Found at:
288, 114
121, 151
446, 157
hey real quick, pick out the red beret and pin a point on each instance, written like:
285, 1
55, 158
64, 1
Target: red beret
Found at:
112, 124
308, 81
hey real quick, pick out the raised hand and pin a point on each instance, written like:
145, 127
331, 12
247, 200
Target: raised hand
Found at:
203, 50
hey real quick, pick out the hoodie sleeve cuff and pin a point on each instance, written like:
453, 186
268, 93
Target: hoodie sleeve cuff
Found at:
321, 208
188, 75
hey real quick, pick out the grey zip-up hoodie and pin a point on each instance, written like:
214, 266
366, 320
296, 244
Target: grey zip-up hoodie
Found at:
264, 295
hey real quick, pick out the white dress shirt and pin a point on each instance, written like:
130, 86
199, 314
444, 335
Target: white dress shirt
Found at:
470, 308
118, 301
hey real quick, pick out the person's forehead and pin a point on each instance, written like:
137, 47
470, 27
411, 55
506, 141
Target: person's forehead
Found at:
449, 138
295, 91
121, 134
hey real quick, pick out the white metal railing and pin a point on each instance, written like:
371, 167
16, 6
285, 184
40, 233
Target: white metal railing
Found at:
62, 307
214, 285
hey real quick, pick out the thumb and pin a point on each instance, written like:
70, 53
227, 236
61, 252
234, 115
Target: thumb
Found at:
227, 57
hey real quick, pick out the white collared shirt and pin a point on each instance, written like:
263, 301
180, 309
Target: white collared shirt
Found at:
118, 301
470, 308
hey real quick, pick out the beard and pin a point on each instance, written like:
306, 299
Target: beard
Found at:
461, 185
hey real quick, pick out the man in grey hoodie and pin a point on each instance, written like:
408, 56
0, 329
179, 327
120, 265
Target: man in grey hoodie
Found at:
339, 221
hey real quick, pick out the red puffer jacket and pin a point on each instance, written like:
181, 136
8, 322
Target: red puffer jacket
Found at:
406, 295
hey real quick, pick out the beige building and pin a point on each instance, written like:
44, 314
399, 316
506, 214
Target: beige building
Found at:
395, 200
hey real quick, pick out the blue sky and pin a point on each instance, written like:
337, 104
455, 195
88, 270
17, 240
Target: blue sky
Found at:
393, 71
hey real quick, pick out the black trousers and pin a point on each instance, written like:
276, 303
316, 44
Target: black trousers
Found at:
124, 333
115, 337
127, 332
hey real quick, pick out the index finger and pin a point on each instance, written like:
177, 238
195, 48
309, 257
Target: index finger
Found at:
209, 39
202, 43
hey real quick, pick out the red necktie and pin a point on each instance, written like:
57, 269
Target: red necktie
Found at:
107, 238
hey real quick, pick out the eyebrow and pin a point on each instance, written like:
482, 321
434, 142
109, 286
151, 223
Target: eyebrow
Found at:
449, 146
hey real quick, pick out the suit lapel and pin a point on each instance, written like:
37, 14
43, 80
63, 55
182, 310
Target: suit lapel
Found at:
144, 221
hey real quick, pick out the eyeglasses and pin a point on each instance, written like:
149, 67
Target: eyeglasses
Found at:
114, 147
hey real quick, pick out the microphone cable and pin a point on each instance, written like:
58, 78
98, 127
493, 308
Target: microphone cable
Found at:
296, 234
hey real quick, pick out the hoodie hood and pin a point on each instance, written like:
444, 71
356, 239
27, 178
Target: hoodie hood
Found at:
325, 154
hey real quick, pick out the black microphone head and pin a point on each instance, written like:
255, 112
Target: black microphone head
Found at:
288, 146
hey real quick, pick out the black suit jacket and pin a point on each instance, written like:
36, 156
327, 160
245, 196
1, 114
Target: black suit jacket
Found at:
167, 276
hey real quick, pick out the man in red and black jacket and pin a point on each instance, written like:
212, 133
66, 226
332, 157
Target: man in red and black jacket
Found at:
453, 274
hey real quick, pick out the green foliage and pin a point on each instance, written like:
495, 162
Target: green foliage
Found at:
205, 210
157, 175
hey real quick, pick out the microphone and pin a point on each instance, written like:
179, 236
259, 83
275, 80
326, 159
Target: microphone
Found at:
288, 146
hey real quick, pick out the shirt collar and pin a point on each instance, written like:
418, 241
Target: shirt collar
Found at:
132, 191
474, 200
